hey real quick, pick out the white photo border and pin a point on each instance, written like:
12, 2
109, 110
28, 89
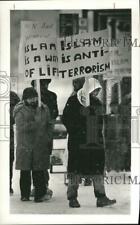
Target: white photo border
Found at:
5, 7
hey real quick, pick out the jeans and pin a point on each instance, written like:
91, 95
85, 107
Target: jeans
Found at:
73, 185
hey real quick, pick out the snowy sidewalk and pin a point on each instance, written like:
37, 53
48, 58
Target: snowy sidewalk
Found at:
59, 204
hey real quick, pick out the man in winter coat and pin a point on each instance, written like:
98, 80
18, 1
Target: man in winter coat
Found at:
85, 145
14, 99
49, 98
34, 132
77, 85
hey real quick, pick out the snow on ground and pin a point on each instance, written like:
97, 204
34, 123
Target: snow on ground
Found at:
59, 204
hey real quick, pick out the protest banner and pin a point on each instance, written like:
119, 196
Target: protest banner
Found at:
65, 58
83, 55
32, 33
40, 58
34, 29
120, 56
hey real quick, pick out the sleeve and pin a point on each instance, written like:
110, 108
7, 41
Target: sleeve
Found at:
14, 99
17, 99
55, 108
23, 125
49, 125
71, 117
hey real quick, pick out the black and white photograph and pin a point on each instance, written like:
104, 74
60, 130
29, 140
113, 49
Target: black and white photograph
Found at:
70, 94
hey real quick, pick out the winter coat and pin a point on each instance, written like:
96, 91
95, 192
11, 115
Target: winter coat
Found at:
85, 151
33, 132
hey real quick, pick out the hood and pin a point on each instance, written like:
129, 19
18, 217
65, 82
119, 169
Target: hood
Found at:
18, 108
83, 93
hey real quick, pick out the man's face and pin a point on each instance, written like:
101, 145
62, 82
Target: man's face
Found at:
32, 102
95, 92
78, 84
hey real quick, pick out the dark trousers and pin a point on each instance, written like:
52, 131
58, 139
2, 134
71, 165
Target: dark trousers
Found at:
11, 154
11, 170
73, 185
46, 176
38, 180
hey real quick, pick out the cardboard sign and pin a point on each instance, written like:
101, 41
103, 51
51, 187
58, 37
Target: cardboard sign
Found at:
83, 55
120, 57
64, 58
31, 33
40, 58
38, 29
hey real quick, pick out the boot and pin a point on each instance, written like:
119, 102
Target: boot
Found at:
73, 203
49, 194
104, 201
25, 199
41, 199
